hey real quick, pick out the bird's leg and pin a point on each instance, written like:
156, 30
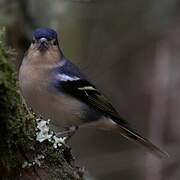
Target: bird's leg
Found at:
68, 132
26, 106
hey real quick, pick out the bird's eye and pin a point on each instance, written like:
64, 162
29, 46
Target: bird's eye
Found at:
33, 41
55, 43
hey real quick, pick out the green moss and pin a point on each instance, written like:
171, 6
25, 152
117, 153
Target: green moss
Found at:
12, 114
17, 130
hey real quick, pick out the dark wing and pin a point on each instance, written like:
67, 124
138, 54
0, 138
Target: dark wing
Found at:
87, 93
71, 81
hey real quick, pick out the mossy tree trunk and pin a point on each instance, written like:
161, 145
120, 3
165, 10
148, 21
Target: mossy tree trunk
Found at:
21, 155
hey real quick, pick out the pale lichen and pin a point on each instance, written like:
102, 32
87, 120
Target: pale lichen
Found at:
44, 133
37, 161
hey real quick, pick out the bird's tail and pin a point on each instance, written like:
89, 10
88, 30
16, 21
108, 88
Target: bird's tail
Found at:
138, 139
131, 135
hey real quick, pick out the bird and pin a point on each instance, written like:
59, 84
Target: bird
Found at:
55, 88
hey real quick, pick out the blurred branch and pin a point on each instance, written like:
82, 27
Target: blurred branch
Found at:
23, 6
159, 105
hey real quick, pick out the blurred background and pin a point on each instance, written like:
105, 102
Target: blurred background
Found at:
131, 51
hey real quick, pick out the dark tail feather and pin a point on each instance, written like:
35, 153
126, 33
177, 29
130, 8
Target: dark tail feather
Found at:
135, 137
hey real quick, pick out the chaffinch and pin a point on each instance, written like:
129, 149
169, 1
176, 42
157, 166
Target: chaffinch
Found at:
55, 88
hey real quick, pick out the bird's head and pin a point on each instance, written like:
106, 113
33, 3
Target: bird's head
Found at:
45, 39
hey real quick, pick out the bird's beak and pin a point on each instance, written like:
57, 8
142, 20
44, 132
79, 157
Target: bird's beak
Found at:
43, 44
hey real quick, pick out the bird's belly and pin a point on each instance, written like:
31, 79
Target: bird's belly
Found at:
61, 109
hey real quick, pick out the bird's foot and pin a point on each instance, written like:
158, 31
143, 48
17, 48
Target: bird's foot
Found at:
68, 132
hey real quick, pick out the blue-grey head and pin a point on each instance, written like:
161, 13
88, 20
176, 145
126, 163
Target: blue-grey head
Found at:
44, 39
